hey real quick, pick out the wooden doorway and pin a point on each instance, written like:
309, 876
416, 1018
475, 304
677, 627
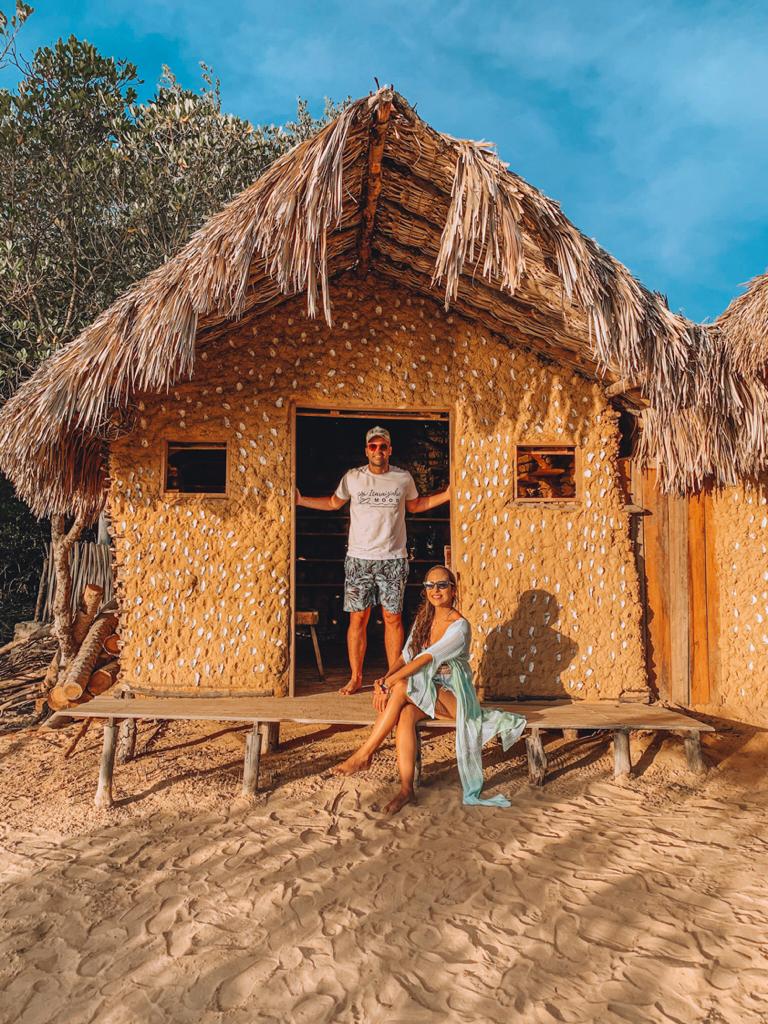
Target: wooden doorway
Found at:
682, 593
326, 443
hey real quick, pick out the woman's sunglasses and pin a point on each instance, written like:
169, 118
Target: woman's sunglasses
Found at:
440, 584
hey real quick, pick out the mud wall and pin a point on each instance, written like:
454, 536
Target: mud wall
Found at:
739, 686
551, 590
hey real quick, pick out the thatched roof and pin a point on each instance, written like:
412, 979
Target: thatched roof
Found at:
745, 325
380, 190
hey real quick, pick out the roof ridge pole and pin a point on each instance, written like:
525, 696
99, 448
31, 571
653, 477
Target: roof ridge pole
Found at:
372, 188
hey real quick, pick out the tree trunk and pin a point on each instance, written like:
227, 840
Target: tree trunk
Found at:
82, 665
102, 679
63, 619
89, 606
87, 612
112, 645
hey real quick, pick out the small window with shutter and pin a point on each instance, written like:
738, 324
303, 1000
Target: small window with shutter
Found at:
546, 473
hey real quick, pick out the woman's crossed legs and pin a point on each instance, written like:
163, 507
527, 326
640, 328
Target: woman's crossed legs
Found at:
401, 713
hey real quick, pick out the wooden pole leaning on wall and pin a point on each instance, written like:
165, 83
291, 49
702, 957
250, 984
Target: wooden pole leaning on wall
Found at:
251, 761
107, 766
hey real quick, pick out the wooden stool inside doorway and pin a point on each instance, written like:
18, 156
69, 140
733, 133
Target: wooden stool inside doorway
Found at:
311, 619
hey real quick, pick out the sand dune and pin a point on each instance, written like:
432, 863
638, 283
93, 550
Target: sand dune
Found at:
587, 901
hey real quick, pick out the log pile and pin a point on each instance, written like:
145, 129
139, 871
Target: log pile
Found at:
22, 666
94, 667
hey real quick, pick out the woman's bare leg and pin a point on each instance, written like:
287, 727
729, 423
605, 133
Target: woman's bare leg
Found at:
382, 727
406, 756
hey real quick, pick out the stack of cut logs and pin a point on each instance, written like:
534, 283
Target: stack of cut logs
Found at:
94, 667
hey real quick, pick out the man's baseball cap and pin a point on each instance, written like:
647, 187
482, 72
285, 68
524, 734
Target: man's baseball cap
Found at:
378, 432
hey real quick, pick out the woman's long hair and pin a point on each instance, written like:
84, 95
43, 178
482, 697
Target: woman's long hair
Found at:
422, 624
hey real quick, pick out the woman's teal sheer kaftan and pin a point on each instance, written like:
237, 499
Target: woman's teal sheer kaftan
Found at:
474, 725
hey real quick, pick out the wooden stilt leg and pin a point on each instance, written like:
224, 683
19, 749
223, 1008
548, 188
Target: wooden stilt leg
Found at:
270, 737
537, 759
126, 740
418, 767
318, 656
104, 789
692, 741
622, 764
251, 763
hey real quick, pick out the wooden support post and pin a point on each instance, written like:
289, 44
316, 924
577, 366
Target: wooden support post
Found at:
537, 758
126, 744
570, 734
251, 762
622, 764
418, 767
373, 181
270, 737
106, 769
692, 741
318, 656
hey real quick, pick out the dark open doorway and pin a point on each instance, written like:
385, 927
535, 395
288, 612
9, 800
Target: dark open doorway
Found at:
328, 443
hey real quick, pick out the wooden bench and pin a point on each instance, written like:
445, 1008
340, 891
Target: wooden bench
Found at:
265, 713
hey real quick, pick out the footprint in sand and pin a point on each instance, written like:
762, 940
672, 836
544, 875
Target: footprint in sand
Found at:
315, 1009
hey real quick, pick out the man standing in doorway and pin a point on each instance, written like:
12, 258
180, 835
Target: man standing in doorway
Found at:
376, 566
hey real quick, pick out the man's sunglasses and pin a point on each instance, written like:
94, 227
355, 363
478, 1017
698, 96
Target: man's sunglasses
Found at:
378, 447
440, 584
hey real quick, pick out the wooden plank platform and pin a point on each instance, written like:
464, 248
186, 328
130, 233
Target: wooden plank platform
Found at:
265, 713
332, 709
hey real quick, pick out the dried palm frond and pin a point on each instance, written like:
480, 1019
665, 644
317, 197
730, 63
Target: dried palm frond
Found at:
745, 325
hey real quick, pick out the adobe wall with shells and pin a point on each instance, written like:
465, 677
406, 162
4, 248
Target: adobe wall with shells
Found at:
740, 521
551, 590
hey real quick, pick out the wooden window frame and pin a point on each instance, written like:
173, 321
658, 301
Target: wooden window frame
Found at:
186, 495
554, 448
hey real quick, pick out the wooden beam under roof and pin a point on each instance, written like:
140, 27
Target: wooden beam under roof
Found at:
379, 125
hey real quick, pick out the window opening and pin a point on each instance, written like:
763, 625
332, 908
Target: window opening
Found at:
196, 468
545, 473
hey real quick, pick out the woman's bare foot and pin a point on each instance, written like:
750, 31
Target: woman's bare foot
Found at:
399, 801
356, 763
351, 687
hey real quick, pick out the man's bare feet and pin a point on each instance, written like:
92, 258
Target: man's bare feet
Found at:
356, 763
351, 687
399, 801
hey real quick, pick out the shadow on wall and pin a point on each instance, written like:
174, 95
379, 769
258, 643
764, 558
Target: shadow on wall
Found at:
526, 656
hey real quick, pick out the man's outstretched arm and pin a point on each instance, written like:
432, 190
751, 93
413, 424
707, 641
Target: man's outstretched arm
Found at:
428, 502
321, 504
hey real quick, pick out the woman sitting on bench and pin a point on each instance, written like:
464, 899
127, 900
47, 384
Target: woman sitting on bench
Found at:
432, 679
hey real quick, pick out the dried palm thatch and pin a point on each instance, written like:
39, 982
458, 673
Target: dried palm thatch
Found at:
745, 324
438, 215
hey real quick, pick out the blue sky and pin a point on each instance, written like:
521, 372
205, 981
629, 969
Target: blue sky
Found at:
647, 122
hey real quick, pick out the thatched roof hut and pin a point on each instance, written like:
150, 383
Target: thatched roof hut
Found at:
380, 190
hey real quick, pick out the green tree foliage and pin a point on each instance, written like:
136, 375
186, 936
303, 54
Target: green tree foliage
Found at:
97, 189
22, 543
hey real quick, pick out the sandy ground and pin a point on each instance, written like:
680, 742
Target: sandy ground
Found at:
589, 900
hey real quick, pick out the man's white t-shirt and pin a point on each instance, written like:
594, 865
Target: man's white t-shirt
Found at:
377, 511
